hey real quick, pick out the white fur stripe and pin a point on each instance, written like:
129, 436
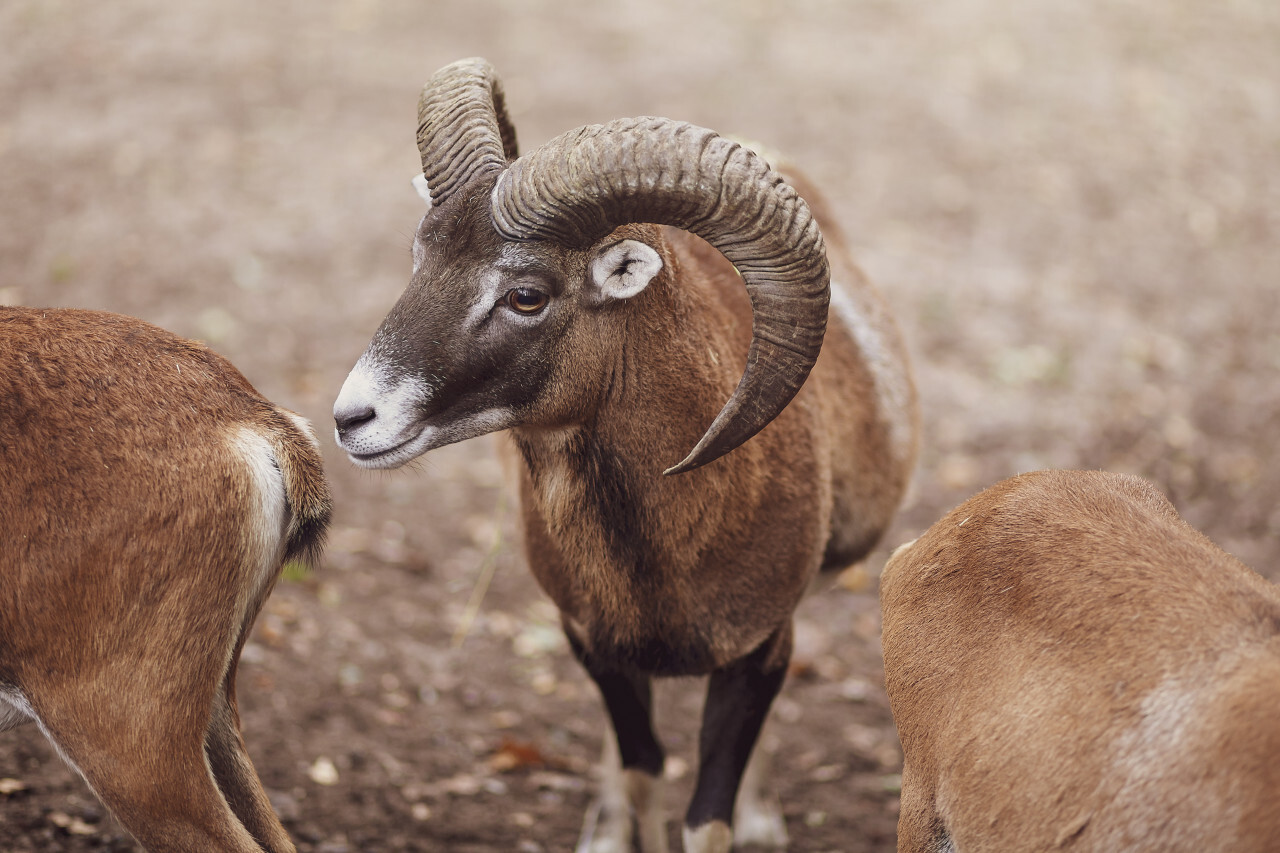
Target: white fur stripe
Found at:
267, 522
893, 396
14, 708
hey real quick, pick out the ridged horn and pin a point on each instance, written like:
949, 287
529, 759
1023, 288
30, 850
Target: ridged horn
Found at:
580, 186
463, 128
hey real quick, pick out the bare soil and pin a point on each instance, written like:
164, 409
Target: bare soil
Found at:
1072, 206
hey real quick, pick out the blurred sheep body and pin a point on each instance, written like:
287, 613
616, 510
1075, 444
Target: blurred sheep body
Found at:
151, 498
1072, 666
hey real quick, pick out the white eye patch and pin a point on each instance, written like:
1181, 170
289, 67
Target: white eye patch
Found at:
624, 269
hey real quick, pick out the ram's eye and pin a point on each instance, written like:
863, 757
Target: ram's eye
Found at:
526, 300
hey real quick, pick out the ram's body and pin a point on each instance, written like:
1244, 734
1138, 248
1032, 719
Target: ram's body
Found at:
542, 303
681, 575
1072, 666
150, 497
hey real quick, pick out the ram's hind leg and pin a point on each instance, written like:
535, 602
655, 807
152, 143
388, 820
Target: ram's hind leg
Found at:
627, 813
236, 776
757, 814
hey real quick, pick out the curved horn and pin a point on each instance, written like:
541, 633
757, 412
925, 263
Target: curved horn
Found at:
463, 127
580, 186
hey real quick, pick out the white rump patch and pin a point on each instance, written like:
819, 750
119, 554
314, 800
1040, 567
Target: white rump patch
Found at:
624, 269
268, 511
424, 189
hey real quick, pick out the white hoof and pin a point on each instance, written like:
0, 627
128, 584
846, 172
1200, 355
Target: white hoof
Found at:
761, 825
713, 837
757, 814
623, 812
606, 829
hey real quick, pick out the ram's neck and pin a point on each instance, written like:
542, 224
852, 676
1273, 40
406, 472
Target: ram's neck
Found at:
666, 379
612, 539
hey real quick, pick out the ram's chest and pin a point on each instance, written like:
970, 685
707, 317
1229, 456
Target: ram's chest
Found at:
592, 548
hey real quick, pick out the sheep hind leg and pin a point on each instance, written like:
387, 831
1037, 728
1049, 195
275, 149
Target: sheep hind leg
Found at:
627, 813
757, 814
236, 776
145, 759
920, 827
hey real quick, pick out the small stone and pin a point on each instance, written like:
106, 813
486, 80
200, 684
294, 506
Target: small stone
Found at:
827, 773
322, 772
855, 689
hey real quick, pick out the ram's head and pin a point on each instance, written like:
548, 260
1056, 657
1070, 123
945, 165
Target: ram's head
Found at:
518, 262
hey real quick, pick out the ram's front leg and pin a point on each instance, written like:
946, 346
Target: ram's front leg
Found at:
738, 700
628, 807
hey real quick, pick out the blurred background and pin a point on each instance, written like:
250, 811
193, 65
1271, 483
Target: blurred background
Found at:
1071, 205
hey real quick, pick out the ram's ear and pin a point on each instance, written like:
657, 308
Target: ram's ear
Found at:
420, 184
621, 270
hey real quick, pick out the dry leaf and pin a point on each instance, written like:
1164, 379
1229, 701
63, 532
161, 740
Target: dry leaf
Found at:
517, 755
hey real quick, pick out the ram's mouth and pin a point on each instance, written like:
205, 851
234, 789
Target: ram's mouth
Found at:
416, 441
378, 459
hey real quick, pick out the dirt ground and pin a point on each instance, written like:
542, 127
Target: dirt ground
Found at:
1072, 206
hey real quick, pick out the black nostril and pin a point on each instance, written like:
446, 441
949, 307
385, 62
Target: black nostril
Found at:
346, 421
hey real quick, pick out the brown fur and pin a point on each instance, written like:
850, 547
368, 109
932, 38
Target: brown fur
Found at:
603, 388
1072, 666
132, 568
700, 568
700, 572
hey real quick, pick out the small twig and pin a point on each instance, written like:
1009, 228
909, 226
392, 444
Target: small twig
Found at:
488, 568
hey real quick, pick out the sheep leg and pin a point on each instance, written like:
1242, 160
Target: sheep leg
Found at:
143, 755
738, 700
920, 827
235, 775
631, 772
757, 814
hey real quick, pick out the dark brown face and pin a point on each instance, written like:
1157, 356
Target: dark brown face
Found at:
471, 345
482, 338
463, 352
576, 191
